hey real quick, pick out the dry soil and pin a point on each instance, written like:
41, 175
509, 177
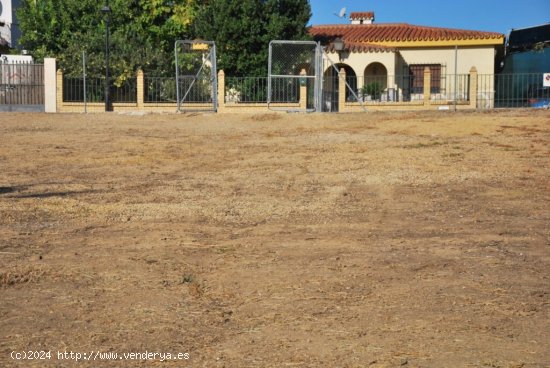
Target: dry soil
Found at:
360, 240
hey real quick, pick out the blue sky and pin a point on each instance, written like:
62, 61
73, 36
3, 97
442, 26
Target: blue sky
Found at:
481, 15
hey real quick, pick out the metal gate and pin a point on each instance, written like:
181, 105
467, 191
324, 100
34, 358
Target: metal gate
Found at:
293, 64
21, 87
196, 75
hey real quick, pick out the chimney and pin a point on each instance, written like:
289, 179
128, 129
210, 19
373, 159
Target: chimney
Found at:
362, 17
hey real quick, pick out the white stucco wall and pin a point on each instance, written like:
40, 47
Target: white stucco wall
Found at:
483, 58
50, 85
359, 61
396, 63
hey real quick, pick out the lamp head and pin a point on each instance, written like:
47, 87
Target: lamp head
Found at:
338, 44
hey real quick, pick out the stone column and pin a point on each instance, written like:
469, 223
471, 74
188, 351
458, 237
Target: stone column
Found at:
221, 91
59, 89
342, 90
140, 90
427, 85
303, 90
50, 85
473, 88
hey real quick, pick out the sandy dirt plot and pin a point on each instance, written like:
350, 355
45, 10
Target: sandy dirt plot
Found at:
360, 240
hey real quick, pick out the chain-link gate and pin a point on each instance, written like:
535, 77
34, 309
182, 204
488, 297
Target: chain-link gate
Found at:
196, 76
294, 64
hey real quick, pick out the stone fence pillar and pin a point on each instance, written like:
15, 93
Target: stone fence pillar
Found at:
221, 91
303, 90
50, 85
140, 89
59, 89
342, 90
473, 88
427, 85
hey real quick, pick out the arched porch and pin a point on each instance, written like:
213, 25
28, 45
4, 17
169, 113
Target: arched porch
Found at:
330, 86
375, 81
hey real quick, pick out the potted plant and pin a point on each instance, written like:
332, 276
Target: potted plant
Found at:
373, 89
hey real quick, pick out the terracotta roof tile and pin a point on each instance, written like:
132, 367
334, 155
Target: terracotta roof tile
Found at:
362, 47
366, 33
361, 15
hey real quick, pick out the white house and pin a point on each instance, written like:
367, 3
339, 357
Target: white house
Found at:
395, 56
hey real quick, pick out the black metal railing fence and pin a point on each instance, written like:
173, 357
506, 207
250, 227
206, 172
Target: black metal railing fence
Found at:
159, 89
25, 85
512, 90
92, 90
246, 89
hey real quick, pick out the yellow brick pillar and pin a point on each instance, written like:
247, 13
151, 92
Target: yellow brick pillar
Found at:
473, 88
342, 90
59, 90
221, 91
303, 90
427, 85
140, 90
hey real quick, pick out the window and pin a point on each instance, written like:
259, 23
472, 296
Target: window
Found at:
417, 77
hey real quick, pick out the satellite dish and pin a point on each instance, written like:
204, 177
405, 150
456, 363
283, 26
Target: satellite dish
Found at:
342, 13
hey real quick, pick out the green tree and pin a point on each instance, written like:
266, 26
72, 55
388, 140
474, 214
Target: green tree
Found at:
48, 26
237, 28
287, 19
242, 30
142, 33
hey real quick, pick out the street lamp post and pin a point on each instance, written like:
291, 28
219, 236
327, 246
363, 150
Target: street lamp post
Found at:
106, 10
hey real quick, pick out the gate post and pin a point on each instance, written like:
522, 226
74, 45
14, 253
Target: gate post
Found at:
427, 86
59, 92
303, 90
473, 88
342, 90
50, 85
140, 90
221, 91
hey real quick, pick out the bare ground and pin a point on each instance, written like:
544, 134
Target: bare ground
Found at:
368, 240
